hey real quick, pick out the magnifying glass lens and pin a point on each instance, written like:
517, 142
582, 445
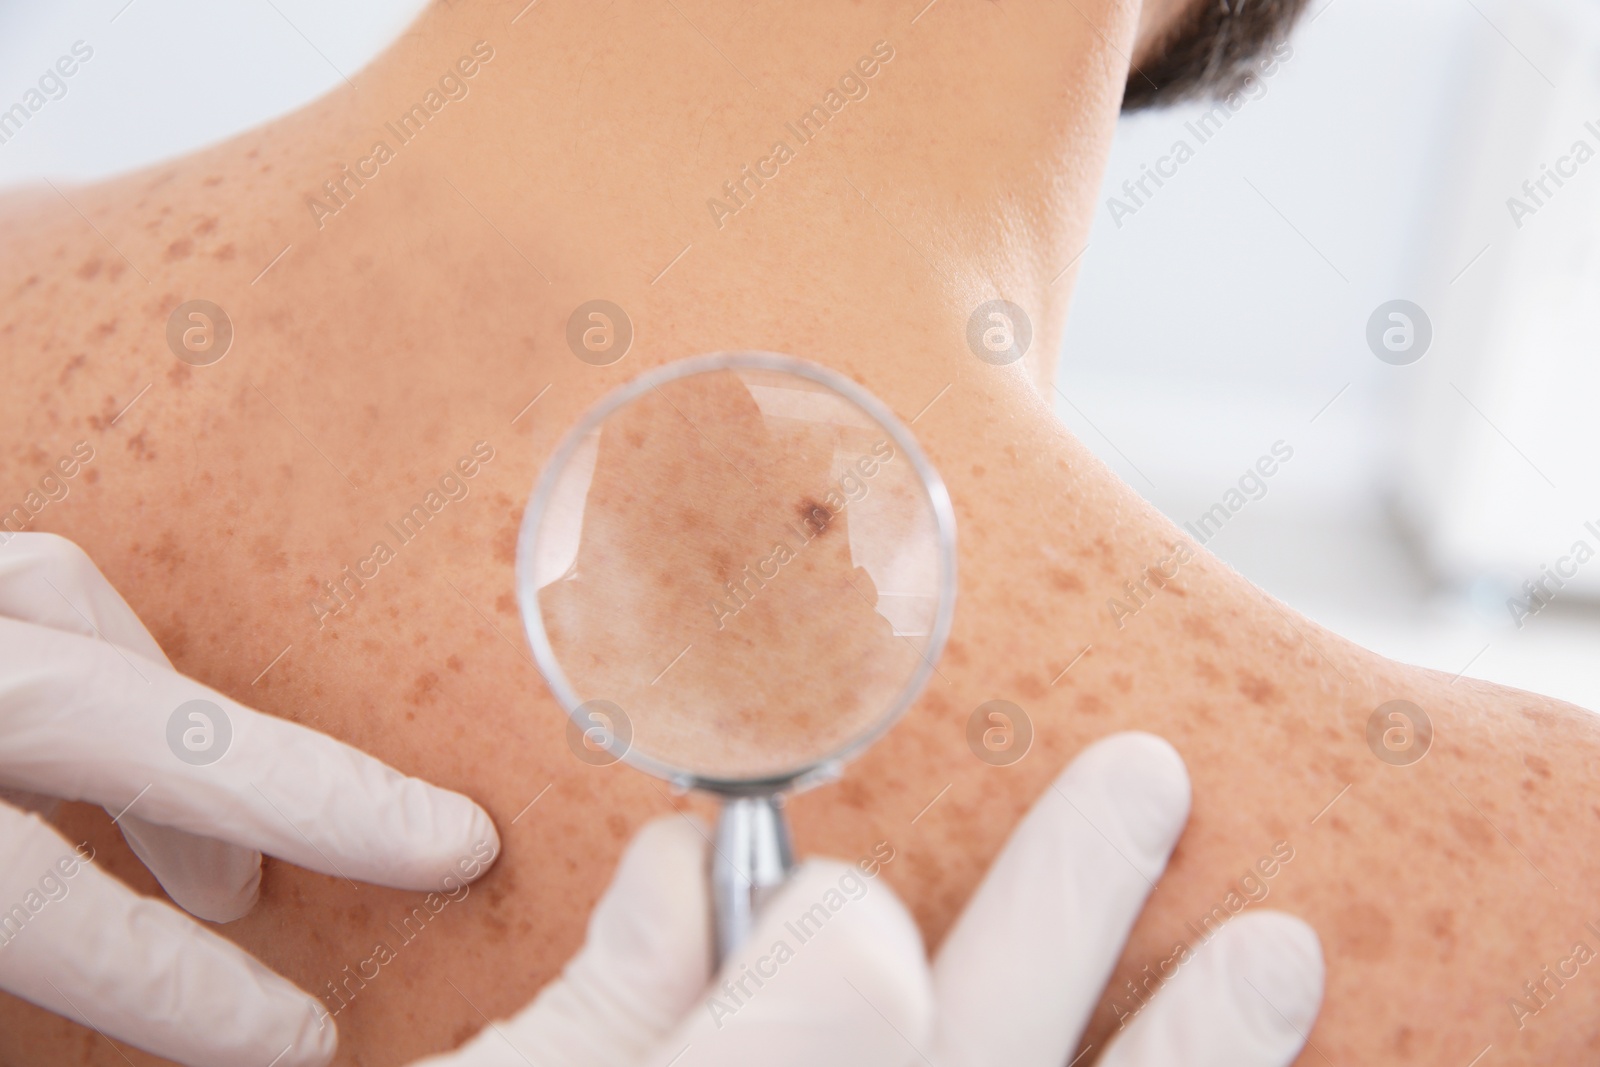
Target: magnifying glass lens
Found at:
738, 572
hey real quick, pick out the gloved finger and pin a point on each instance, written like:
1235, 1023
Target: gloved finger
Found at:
49, 581
833, 974
645, 963
77, 942
1247, 998
81, 719
1024, 965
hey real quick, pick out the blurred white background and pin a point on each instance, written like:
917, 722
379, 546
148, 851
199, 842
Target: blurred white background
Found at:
1217, 314
1230, 311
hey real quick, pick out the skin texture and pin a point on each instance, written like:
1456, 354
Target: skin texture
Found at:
432, 308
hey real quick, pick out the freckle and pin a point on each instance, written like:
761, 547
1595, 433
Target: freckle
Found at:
1260, 691
618, 826
139, 446
1537, 765
208, 224
1200, 628
1122, 682
955, 652
179, 249
1442, 928
72, 364
505, 545
422, 689
1470, 826
454, 663
166, 552
105, 329
1529, 785
1028, 686
225, 253
1066, 581
506, 604
87, 271
1363, 931
977, 470
1208, 671
91, 476
852, 793
1090, 704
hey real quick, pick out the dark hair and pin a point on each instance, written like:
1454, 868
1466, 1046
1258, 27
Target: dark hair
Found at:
1209, 50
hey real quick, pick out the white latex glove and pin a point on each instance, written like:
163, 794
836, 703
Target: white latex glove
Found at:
86, 704
1013, 986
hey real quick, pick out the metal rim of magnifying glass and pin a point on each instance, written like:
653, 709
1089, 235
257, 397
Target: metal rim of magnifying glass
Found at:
825, 767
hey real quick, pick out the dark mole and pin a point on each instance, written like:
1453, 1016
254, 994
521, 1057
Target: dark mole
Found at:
819, 517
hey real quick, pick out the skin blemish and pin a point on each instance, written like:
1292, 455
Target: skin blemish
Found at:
1364, 932
1472, 829
73, 364
182, 248
1201, 629
1066, 581
139, 446
1260, 691
816, 517
1029, 687
423, 688
1208, 672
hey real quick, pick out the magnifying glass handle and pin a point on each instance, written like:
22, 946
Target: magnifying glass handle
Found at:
752, 858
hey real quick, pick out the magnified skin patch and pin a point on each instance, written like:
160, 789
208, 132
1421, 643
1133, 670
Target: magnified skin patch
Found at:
744, 636
429, 314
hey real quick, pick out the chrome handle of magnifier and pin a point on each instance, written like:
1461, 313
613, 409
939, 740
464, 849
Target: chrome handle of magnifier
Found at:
752, 858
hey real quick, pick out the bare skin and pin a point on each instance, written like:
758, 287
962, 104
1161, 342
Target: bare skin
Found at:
425, 315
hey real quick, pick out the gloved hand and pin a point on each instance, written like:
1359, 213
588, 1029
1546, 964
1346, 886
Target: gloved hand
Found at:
90, 709
835, 975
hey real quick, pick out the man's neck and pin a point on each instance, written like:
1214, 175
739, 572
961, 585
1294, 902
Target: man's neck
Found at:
846, 182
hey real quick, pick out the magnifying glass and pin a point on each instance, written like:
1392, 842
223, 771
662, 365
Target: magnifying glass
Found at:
736, 572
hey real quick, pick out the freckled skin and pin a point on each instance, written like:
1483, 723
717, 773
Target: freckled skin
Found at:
371, 356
